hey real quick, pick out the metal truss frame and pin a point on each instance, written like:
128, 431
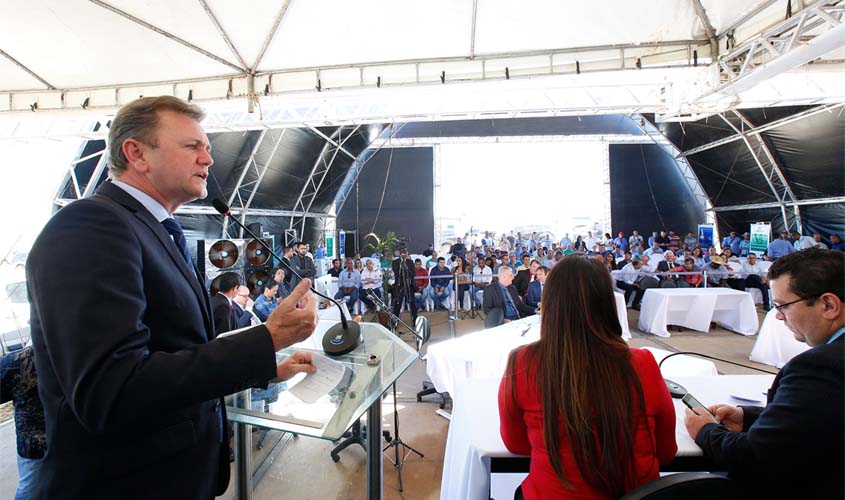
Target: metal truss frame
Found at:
802, 203
318, 174
244, 191
770, 176
690, 178
753, 131
811, 33
71, 176
416, 142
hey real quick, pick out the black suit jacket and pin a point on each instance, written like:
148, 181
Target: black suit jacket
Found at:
663, 267
792, 448
225, 319
129, 370
494, 299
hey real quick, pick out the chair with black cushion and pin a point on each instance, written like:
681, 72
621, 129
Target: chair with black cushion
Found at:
494, 318
423, 328
687, 486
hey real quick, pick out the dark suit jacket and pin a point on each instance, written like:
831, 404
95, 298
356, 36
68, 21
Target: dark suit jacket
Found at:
129, 370
521, 281
663, 267
225, 319
493, 298
795, 446
534, 294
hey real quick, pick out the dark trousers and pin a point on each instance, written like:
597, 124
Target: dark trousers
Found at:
754, 281
407, 295
365, 297
736, 284
629, 290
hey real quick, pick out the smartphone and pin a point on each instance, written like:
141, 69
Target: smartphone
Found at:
694, 404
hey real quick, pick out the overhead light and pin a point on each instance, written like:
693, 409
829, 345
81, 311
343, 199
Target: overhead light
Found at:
190, 95
33, 106
86, 102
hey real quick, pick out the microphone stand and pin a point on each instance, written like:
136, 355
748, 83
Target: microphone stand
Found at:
396, 441
345, 324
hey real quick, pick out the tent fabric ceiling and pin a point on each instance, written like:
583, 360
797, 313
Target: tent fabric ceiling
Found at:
79, 35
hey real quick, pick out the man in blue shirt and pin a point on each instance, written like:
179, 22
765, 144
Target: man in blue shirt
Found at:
745, 245
732, 241
440, 278
836, 242
348, 284
621, 242
779, 248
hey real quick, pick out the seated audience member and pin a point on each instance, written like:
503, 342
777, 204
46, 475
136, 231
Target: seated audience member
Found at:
432, 261
371, 282
348, 284
565, 242
729, 256
651, 239
674, 242
635, 242
504, 297
482, 275
526, 262
579, 245
795, 446
647, 267
755, 277
717, 275
280, 277
626, 259
556, 379
655, 249
535, 289
525, 276
666, 266
19, 384
610, 261
462, 275
632, 282
803, 242
779, 247
698, 258
836, 242
422, 290
441, 277
244, 308
335, 270
663, 240
222, 309
819, 243
732, 241
692, 280
266, 302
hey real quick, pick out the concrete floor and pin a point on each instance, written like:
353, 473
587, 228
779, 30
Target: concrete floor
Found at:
301, 467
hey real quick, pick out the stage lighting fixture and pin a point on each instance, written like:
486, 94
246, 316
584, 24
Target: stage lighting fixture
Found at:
190, 95
86, 102
507, 73
442, 77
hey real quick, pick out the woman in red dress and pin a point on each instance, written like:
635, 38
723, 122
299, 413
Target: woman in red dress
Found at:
594, 415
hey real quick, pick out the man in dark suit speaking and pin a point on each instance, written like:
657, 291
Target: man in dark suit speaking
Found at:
130, 371
795, 446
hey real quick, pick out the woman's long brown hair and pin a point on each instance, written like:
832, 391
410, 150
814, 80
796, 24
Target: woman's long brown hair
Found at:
590, 391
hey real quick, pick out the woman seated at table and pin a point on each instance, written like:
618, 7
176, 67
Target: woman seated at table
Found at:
594, 415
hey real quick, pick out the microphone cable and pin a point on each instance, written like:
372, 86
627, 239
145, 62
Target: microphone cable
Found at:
715, 359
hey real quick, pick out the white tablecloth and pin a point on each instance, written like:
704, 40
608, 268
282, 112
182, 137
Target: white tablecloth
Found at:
695, 308
474, 429
775, 344
484, 354
682, 365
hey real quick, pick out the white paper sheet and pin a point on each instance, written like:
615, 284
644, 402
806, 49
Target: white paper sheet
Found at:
316, 385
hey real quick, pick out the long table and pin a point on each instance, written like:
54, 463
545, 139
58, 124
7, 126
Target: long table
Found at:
474, 447
484, 354
695, 308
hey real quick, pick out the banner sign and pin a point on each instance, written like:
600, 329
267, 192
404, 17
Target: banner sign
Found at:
705, 236
760, 237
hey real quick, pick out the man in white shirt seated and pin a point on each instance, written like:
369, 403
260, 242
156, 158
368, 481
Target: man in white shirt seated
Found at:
348, 284
632, 282
755, 277
803, 242
482, 275
371, 281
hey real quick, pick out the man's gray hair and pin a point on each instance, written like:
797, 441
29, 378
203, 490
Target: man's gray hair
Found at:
502, 270
669, 252
139, 120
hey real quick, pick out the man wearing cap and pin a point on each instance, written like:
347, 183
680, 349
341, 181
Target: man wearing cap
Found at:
717, 275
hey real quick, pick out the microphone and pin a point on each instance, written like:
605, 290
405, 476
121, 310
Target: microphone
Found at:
339, 339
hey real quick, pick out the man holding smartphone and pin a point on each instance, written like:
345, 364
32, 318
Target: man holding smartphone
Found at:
795, 446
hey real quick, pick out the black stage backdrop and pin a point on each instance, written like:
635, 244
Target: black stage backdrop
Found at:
408, 206
648, 193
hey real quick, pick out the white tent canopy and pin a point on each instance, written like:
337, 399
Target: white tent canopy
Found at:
309, 61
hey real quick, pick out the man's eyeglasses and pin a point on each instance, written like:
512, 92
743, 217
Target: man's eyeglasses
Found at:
782, 307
